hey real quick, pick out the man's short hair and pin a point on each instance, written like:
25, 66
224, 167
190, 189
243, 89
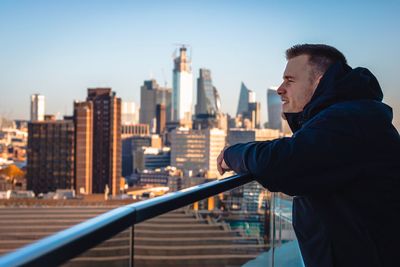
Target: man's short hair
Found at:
321, 56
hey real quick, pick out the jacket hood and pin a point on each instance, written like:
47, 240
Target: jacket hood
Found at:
340, 83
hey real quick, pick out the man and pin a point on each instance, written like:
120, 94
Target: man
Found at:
342, 163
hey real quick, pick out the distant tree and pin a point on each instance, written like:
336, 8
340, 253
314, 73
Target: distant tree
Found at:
12, 173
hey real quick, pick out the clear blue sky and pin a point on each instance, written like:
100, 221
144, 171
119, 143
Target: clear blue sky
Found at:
60, 48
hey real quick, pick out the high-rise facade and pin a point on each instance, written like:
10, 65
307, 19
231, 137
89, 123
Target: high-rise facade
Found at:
208, 100
37, 107
133, 138
244, 99
208, 104
151, 95
106, 140
249, 111
83, 119
197, 149
182, 91
274, 106
160, 118
51, 155
168, 104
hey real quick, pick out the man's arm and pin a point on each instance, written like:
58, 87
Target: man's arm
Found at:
325, 154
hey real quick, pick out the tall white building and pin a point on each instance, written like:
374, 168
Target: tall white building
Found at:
194, 150
37, 107
129, 113
182, 91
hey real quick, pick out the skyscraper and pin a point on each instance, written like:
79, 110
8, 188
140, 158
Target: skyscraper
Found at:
208, 114
37, 107
161, 118
249, 111
106, 140
151, 95
208, 101
50, 155
274, 105
83, 119
244, 99
182, 92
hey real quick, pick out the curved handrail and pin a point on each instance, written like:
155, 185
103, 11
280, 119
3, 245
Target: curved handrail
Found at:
67, 244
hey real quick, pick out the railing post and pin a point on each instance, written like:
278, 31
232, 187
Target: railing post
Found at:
273, 228
280, 219
131, 246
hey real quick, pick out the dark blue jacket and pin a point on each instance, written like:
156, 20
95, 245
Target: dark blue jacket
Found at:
342, 164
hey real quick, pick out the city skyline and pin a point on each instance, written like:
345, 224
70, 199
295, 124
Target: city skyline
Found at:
61, 49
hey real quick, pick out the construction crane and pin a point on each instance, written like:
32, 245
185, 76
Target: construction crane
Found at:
164, 77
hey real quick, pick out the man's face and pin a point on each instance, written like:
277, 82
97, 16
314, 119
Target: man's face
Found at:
298, 85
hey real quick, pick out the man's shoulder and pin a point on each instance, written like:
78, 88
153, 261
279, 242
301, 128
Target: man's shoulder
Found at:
343, 112
354, 115
357, 109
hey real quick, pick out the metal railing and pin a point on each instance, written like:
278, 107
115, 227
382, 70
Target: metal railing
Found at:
67, 244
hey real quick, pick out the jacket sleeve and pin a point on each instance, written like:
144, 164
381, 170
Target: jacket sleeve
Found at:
325, 154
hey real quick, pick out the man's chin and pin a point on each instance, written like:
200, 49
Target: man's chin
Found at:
287, 112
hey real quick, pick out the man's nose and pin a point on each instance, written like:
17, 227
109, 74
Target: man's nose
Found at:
281, 90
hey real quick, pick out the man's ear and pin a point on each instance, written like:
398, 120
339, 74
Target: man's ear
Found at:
316, 81
320, 77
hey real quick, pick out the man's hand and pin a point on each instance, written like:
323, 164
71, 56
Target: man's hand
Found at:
221, 164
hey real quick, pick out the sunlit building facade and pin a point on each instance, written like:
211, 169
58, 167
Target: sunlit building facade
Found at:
208, 108
83, 118
51, 155
197, 150
37, 107
129, 113
152, 95
106, 140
